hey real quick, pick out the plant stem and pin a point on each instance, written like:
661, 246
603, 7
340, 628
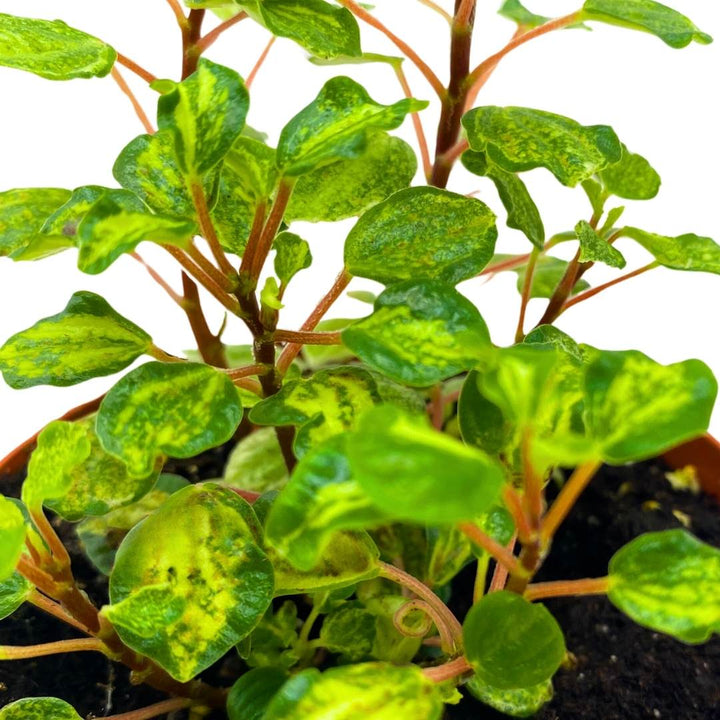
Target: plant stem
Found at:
120, 80
506, 265
568, 588
490, 546
481, 571
16, 652
260, 61
422, 66
390, 572
179, 14
562, 292
191, 37
155, 275
434, 6
291, 351
500, 574
454, 100
514, 504
222, 280
448, 671
307, 627
308, 338
437, 407
447, 640
46, 530
594, 291
417, 123
162, 356
564, 502
131, 65
52, 608
153, 711
248, 371
526, 292
205, 42
208, 230
210, 346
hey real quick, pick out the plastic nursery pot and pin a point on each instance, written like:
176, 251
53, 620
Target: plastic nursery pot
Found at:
703, 454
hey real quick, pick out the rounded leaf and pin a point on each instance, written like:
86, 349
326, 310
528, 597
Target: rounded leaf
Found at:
669, 581
512, 643
14, 591
685, 252
40, 708
178, 409
251, 694
191, 580
422, 233
518, 702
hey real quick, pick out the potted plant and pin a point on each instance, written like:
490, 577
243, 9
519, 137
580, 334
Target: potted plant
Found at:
375, 464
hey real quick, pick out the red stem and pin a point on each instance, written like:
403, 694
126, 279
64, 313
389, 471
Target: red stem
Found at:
140, 71
260, 62
206, 41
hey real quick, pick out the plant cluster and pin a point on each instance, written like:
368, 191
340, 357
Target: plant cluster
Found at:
373, 459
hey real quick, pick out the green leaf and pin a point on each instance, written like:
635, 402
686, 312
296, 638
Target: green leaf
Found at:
256, 463
39, 708
22, 214
512, 643
335, 126
633, 178
273, 641
669, 581
522, 212
251, 694
109, 230
253, 163
347, 188
550, 335
325, 405
12, 537
206, 113
323, 29
422, 233
413, 473
482, 423
670, 26
101, 536
293, 255
14, 591
161, 409
517, 702
350, 558
87, 339
593, 248
449, 550
685, 252
420, 333
515, 11
321, 498
95, 484
52, 49
372, 691
519, 139
191, 580
637, 408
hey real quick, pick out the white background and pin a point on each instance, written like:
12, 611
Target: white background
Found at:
662, 102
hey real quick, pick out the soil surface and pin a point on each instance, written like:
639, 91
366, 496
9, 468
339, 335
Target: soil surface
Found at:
621, 671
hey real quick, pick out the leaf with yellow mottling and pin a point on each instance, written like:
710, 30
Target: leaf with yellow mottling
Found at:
325, 405
516, 702
12, 537
670, 582
161, 409
368, 691
87, 339
594, 248
191, 580
685, 252
39, 708
206, 112
14, 591
52, 49
420, 333
633, 178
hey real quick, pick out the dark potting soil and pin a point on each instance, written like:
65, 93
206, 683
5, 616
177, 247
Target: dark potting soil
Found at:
621, 671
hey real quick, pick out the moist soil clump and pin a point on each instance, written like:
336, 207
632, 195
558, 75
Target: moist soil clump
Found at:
621, 671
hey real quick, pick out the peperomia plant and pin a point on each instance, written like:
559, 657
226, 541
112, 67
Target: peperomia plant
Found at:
372, 459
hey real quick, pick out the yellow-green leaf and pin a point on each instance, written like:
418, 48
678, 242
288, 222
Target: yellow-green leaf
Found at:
518, 13
669, 581
161, 409
685, 252
511, 643
206, 112
87, 339
422, 233
39, 708
369, 691
52, 49
110, 230
670, 26
347, 188
292, 256
251, 694
22, 214
516, 702
336, 125
256, 463
191, 580
404, 467
633, 178
420, 333
14, 591
327, 404
593, 248
519, 139
12, 537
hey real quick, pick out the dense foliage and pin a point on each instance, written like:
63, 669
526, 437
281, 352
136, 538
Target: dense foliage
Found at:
372, 459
